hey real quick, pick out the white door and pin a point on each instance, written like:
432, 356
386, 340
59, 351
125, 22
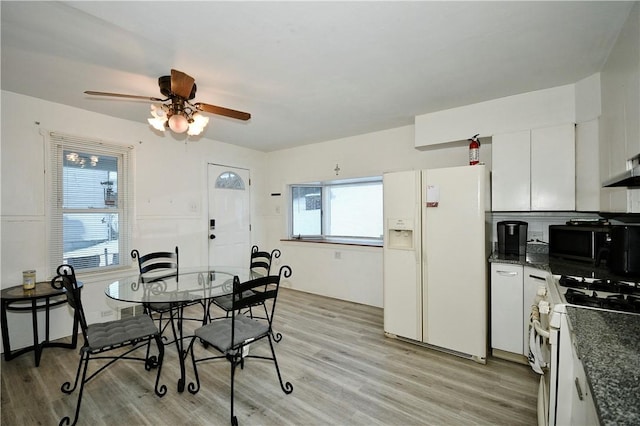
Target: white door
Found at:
229, 216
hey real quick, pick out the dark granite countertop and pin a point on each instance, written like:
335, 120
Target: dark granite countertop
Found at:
542, 260
608, 345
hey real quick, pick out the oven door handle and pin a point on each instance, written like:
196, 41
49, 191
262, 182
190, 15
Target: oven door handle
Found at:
539, 330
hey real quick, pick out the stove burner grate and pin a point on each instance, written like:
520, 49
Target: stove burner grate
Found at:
616, 302
604, 285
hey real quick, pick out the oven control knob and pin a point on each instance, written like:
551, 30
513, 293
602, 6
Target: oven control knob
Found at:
543, 306
542, 291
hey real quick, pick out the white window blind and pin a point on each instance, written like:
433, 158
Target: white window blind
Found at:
91, 202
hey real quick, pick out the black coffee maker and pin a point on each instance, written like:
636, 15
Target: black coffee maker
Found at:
512, 237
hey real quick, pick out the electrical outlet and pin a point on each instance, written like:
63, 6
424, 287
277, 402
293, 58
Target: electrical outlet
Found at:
337, 255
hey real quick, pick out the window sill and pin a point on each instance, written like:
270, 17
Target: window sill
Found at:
103, 275
339, 241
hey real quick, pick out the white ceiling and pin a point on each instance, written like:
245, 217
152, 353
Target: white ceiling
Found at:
306, 71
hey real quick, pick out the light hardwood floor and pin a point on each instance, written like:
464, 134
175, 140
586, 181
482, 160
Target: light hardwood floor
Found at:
343, 369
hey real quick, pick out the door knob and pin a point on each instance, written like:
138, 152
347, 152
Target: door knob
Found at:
212, 237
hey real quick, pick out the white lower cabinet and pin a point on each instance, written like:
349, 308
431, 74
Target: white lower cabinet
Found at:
506, 307
583, 407
513, 291
575, 404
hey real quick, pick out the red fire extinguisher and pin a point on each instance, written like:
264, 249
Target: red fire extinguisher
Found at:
474, 150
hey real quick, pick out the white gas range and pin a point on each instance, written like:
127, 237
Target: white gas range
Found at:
556, 347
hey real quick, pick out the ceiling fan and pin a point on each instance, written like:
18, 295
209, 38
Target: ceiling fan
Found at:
176, 111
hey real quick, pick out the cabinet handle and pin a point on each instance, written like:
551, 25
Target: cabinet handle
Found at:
509, 273
579, 389
536, 277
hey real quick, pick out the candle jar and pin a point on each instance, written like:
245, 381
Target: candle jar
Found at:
29, 279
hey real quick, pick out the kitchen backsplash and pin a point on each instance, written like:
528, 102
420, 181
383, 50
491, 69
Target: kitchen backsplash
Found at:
538, 222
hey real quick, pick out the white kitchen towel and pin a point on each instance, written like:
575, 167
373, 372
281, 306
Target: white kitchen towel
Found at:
535, 353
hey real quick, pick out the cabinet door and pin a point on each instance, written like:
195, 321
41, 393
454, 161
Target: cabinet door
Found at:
553, 174
587, 166
583, 408
510, 174
532, 279
506, 307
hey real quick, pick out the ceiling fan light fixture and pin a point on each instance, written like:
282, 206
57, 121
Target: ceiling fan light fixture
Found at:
200, 120
159, 111
157, 123
158, 118
178, 123
194, 131
197, 123
176, 112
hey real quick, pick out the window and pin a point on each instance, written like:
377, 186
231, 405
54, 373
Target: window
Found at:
229, 180
90, 204
338, 210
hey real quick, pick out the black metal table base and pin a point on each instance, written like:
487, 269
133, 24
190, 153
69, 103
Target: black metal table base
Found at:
31, 305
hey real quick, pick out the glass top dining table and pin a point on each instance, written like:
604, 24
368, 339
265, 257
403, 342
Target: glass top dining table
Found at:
197, 284
189, 285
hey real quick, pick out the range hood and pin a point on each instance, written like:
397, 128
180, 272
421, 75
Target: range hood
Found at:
630, 178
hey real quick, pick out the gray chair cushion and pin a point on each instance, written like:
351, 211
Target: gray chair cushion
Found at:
116, 332
218, 333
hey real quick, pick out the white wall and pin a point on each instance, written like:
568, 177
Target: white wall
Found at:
542, 108
170, 180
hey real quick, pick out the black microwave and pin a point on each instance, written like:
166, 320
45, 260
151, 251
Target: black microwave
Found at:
624, 257
581, 243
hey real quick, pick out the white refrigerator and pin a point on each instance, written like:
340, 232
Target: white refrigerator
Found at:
435, 258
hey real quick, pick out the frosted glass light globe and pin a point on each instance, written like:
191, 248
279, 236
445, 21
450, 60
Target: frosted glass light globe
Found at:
178, 123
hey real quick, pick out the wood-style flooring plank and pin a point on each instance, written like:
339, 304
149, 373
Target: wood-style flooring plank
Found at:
343, 369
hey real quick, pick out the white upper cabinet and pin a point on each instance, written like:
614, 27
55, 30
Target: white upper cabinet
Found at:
510, 175
553, 168
534, 169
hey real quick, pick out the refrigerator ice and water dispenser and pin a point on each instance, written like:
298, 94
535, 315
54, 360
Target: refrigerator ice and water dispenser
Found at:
400, 233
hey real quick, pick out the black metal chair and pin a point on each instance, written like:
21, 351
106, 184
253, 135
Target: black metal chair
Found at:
260, 264
155, 265
232, 335
129, 334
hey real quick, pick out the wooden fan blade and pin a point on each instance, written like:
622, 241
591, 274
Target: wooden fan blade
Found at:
120, 95
224, 111
181, 84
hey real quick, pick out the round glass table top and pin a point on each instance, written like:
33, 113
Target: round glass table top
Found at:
190, 284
